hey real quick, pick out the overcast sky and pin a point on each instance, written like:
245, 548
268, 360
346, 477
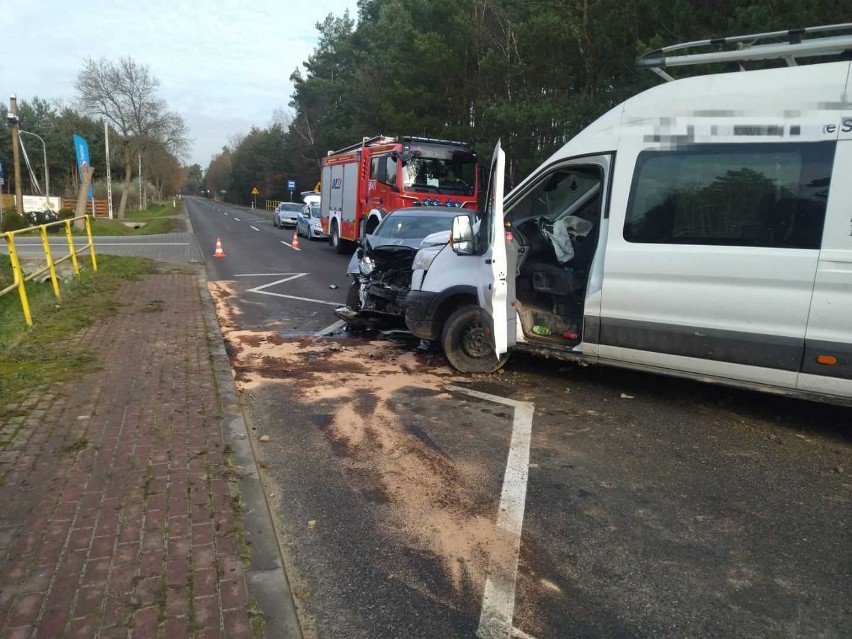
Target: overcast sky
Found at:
224, 65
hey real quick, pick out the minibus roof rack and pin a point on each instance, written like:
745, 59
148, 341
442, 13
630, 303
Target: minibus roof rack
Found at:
791, 46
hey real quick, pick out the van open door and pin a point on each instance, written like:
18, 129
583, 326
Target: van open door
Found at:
493, 289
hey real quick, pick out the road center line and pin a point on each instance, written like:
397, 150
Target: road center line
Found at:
237, 219
290, 245
498, 599
267, 274
254, 227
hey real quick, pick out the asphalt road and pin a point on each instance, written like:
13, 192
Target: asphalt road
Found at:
560, 501
276, 287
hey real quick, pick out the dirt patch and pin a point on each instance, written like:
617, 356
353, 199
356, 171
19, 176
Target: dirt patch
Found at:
385, 460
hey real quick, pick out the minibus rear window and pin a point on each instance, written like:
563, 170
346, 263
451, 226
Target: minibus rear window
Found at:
771, 195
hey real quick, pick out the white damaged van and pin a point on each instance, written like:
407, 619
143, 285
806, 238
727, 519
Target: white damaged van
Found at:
702, 228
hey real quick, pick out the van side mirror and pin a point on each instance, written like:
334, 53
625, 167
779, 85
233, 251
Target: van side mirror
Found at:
462, 237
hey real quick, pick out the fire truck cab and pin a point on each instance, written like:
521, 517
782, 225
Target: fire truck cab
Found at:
364, 182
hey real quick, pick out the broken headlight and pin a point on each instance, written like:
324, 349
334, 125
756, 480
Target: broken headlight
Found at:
425, 256
366, 265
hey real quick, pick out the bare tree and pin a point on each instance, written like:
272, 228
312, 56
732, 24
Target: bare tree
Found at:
125, 93
164, 170
218, 174
283, 117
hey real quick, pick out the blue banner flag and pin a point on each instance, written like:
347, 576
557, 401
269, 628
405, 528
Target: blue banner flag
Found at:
81, 148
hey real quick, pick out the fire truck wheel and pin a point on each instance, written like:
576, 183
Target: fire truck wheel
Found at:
466, 344
334, 239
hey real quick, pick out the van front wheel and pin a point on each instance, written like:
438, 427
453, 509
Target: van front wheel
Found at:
466, 344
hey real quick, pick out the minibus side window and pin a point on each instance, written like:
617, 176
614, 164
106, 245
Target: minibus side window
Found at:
769, 195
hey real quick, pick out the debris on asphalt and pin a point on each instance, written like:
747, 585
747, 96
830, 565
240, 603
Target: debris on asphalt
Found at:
312, 523
626, 396
334, 346
332, 286
264, 438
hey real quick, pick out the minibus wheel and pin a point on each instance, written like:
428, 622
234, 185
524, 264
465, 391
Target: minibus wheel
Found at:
466, 344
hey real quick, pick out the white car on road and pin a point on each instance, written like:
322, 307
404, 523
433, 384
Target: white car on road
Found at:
285, 214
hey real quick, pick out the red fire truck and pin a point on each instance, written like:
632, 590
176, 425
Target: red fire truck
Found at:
364, 182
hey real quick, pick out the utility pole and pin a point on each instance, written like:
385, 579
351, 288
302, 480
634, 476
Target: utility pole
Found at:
140, 181
108, 177
16, 153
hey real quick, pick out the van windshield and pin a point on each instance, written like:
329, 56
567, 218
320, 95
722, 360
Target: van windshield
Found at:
566, 192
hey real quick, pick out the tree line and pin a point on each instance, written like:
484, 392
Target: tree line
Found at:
529, 72
124, 95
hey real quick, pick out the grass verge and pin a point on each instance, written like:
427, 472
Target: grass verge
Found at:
158, 218
46, 353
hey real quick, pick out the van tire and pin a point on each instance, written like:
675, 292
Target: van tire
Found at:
466, 345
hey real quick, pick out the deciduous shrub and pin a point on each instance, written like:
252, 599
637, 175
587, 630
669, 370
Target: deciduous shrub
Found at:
12, 220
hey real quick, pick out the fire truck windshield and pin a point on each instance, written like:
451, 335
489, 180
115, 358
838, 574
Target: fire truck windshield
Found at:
450, 175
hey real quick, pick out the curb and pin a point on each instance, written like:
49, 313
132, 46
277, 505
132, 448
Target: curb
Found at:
265, 576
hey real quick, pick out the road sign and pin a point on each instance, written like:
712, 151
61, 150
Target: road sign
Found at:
254, 191
291, 185
223, 191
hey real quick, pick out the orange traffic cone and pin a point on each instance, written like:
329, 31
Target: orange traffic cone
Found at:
296, 240
219, 252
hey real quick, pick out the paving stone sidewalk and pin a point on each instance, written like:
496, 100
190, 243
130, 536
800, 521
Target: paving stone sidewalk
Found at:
117, 515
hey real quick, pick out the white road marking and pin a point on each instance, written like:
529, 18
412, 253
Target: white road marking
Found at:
330, 329
498, 599
97, 244
237, 219
520, 634
260, 289
290, 245
295, 297
225, 212
293, 276
267, 274
254, 227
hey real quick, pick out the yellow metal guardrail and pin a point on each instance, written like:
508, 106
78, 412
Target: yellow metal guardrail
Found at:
18, 274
